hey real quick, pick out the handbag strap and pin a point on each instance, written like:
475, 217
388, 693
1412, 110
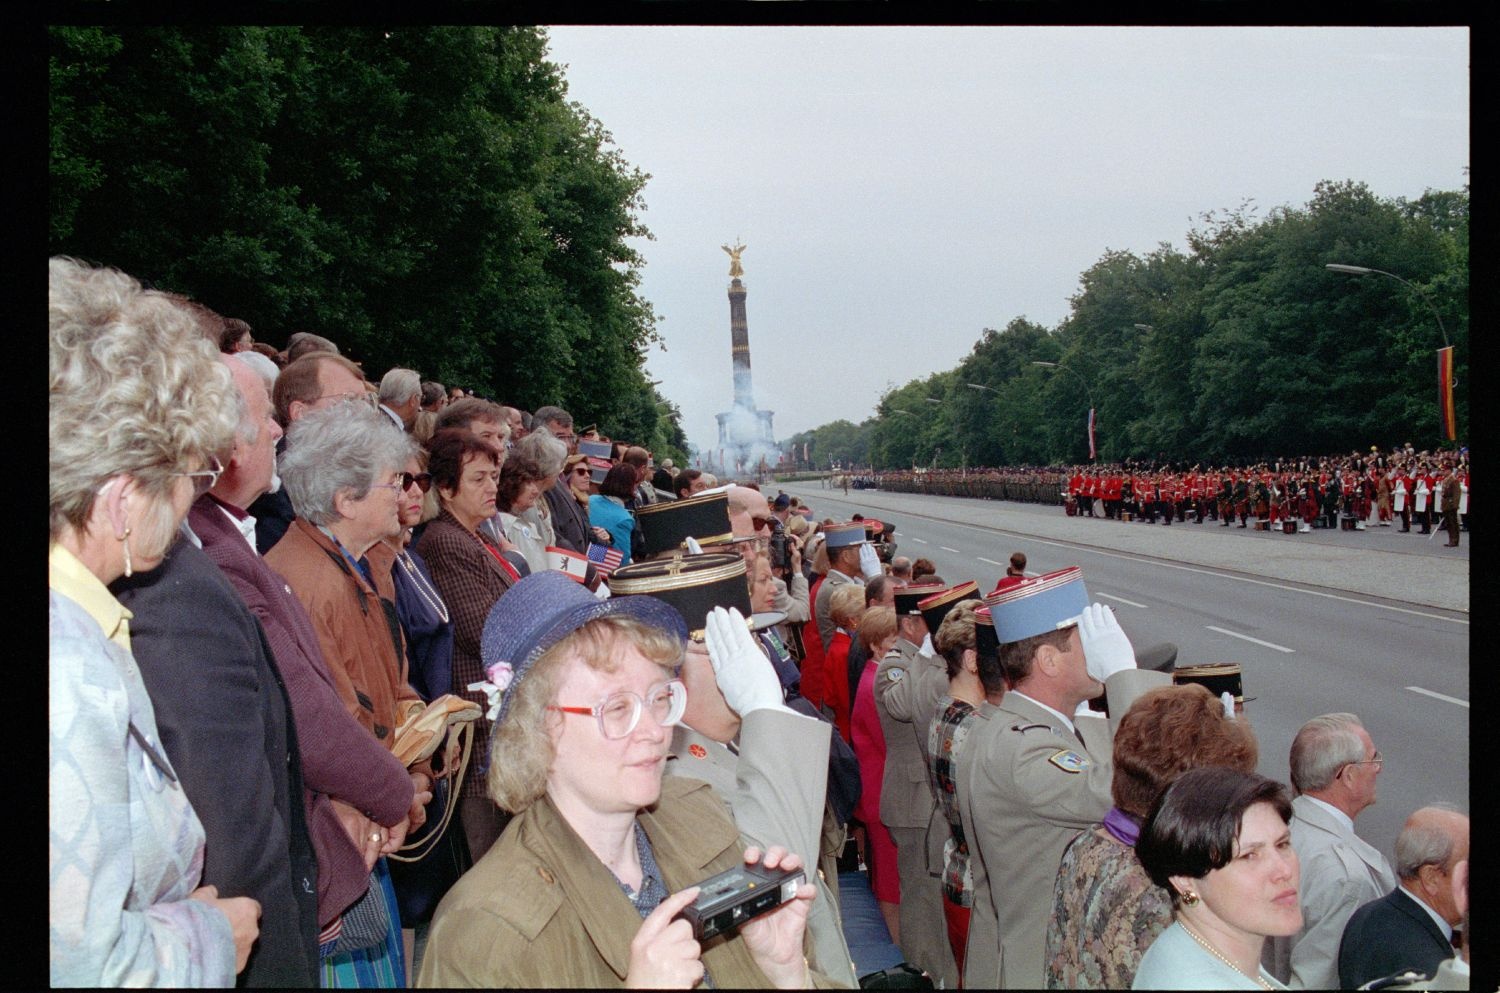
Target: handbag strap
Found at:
465, 732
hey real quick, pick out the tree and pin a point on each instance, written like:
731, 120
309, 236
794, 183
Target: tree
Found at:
423, 196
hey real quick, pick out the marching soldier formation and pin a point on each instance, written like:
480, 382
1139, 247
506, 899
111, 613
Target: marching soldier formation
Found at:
1351, 493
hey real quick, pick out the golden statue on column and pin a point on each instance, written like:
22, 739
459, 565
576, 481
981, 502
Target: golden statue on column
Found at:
735, 269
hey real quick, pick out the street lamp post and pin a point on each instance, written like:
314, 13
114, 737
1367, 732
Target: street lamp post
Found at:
1359, 270
1086, 389
1449, 419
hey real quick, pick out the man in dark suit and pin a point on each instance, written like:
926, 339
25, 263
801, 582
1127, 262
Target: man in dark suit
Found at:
1412, 926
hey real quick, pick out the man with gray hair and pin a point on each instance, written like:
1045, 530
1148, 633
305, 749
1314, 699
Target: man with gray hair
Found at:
559, 422
401, 396
1334, 765
1412, 926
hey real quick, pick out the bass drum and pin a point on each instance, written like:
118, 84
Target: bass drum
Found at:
1070, 507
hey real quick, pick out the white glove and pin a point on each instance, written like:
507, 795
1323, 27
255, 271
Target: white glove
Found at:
745, 675
1227, 698
1106, 650
927, 648
869, 562
692, 545
602, 593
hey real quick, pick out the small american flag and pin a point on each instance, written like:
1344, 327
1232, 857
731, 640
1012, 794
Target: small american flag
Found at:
606, 559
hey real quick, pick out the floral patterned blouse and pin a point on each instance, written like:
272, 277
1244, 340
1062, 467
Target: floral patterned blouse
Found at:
1106, 913
945, 739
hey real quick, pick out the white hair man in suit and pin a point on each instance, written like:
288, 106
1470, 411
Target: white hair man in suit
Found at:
1412, 926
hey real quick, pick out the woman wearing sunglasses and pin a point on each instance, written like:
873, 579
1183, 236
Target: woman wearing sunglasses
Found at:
584, 886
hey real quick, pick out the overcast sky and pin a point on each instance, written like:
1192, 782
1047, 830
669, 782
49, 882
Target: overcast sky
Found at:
901, 189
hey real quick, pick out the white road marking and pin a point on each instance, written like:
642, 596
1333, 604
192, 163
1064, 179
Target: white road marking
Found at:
953, 550
990, 561
1246, 637
919, 541
1438, 696
1109, 596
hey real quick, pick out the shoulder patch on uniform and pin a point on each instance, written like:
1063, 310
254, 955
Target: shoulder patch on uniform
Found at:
697, 751
1069, 761
895, 674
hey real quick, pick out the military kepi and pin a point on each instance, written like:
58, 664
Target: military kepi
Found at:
691, 584
845, 535
936, 607
667, 525
909, 598
1039, 605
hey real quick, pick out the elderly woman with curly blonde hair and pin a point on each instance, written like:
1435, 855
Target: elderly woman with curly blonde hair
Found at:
140, 410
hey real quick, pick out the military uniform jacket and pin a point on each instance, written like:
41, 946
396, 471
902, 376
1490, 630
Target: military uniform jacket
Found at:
909, 689
775, 785
540, 909
1026, 787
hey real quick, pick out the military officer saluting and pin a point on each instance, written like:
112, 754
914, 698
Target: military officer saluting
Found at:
1034, 772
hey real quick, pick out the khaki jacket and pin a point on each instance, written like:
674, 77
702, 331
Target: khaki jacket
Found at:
1026, 787
540, 909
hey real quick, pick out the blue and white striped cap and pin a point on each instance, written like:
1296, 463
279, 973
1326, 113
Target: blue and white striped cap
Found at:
845, 535
1039, 605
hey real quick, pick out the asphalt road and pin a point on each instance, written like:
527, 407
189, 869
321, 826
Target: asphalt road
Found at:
1307, 648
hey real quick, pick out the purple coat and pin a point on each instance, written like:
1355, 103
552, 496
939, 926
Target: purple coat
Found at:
340, 759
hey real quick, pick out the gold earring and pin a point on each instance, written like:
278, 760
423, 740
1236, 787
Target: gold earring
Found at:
125, 547
1190, 898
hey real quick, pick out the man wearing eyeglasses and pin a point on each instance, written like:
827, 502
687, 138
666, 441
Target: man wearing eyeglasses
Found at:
1334, 766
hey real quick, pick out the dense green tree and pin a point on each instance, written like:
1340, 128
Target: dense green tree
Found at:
424, 196
1244, 346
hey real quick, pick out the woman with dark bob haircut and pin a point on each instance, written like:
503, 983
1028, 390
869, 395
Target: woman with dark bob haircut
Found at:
1217, 840
1106, 911
607, 507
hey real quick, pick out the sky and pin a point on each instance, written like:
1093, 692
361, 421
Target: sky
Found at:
900, 189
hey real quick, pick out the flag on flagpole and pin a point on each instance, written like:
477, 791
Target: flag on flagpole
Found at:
1446, 412
1091, 432
606, 559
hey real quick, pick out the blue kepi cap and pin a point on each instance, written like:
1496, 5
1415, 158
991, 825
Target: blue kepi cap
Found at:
1039, 605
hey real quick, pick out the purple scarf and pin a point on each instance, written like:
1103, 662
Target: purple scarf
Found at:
1124, 828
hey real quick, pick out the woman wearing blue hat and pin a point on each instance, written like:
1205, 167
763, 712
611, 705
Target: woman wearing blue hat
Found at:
585, 886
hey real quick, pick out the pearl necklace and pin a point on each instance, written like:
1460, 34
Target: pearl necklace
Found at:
424, 589
1220, 956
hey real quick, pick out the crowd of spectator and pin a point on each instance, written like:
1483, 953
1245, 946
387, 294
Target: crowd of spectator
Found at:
367, 682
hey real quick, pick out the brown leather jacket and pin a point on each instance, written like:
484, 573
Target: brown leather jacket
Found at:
356, 625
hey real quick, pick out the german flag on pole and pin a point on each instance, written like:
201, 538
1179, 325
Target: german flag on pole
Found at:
1445, 393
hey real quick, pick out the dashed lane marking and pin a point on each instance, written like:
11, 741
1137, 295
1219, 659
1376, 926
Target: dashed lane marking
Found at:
1439, 696
1246, 637
1111, 596
953, 550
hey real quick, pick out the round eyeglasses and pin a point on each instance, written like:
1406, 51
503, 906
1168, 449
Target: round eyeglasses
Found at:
619, 713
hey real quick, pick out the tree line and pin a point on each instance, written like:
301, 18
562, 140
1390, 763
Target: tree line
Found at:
424, 196
1242, 346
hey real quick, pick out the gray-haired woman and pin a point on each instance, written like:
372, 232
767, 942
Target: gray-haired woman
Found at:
341, 470
140, 408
